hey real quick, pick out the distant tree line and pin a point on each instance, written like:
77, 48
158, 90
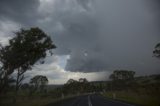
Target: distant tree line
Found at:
124, 80
76, 87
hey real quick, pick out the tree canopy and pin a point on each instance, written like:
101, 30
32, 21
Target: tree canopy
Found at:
39, 82
156, 51
24, 50
122, 75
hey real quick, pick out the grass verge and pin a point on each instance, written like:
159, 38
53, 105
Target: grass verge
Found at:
134, 98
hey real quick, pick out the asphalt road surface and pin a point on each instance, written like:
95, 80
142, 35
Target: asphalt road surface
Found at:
90, 100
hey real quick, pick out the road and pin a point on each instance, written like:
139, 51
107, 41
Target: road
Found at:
90, 100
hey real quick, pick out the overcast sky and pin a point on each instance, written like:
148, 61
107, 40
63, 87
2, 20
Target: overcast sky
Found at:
93, 37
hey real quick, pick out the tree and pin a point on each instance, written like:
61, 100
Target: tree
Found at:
23, 51
83, 84
156, 51
71, 81
70, 86
44, 82
9, 85
83, 80
122, 75
38, 82
25, 86
76, 87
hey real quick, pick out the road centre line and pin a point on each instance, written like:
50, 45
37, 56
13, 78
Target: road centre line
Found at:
89, 101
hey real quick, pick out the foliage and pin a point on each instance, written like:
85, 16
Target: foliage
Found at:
143, 90
121, 79
22, 52
79, 87
156, 51
38, 82
122, 75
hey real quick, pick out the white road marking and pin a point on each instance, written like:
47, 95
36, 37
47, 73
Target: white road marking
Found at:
89, 101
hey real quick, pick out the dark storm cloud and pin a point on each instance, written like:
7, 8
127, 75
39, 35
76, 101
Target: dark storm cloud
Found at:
155, 6
112, 34
21, 11
99, 35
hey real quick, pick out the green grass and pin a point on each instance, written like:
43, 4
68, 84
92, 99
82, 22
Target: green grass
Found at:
135, 98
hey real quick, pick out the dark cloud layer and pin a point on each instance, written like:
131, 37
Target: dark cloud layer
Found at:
99, 35
21, 11
113, 34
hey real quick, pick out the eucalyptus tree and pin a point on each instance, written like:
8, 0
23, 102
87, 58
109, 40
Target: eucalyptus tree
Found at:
83, 84
83, 80
122, 75
28, 47
120, 78
156, 51
38, 82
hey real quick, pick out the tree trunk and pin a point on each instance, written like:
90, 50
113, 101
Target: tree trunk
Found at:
4, 82
17, 82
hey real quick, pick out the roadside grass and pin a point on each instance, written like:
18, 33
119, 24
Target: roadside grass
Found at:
25, 101
35, 100
135, 98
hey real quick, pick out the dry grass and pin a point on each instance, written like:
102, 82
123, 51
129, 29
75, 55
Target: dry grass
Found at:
135, 98
25, 101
